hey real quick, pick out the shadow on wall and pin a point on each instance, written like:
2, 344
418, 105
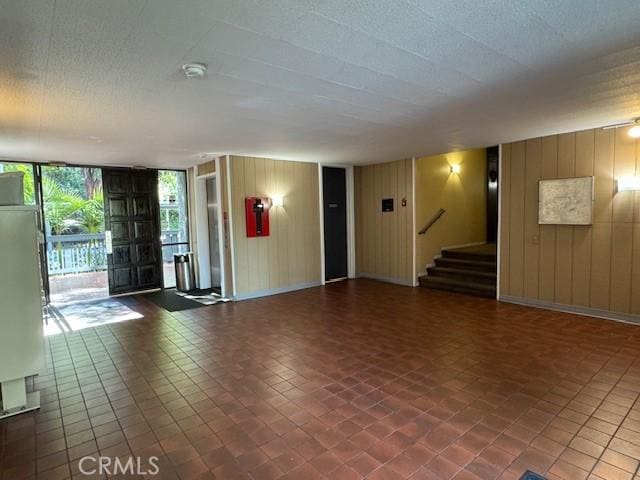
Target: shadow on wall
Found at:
456, 182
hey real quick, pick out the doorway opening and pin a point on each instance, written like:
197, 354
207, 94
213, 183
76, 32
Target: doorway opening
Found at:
174, 220
211, 232
74, 228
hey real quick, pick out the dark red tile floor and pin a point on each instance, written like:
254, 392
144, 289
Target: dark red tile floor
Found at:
358, 379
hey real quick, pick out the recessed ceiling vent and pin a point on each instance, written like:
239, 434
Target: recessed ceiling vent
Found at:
194, 70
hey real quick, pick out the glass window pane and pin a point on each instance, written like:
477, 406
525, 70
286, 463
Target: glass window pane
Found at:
29, 184
167, 263
172, 187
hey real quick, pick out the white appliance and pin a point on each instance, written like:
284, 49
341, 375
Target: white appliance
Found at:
22, 347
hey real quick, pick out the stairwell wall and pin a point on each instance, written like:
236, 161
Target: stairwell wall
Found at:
462, 195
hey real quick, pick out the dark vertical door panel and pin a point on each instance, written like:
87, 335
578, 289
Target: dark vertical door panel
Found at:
132, 215
492, 194
334, 192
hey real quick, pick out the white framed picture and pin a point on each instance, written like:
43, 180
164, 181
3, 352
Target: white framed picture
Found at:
566, 201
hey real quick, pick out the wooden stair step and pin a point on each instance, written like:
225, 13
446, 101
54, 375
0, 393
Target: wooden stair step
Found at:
463, 274
478, 265
460, 286
486, 252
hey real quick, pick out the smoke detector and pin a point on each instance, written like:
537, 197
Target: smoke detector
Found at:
194, 70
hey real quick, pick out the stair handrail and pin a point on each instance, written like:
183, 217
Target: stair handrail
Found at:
436, 216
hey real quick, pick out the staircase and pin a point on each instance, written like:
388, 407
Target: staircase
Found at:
470, 270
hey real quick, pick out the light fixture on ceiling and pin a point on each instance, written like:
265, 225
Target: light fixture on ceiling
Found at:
194, 70
633, 132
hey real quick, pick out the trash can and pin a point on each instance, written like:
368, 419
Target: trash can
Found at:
185, 271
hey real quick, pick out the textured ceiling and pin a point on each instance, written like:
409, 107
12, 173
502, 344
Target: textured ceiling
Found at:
340, 81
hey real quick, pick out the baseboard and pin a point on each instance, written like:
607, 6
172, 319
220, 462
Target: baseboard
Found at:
397, 281
559, 307
276, 291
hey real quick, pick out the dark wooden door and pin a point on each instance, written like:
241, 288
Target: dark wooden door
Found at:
133, 220
334, 193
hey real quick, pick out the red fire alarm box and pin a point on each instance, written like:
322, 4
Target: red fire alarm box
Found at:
257, 212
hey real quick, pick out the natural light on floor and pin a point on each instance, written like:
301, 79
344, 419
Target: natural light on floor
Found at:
78, 316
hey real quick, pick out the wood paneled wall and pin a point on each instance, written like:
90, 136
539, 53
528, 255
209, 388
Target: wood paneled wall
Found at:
206, 168
290, 256
384, 241
594, 266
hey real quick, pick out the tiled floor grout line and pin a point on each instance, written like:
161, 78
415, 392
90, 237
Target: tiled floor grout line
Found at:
613, 436
203, 372
35, 426
113, 409
575, 435
100, 338
589, 417
53, 367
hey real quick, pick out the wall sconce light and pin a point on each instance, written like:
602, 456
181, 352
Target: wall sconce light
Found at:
634, 132
456, 168
277, 201
626, 184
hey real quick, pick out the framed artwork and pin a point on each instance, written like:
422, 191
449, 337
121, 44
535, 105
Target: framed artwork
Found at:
566, 201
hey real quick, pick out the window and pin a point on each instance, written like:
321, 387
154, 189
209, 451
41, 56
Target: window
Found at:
29, 182
174, 220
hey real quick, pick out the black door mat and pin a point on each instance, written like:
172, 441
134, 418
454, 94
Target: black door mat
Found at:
171, 301
529, 475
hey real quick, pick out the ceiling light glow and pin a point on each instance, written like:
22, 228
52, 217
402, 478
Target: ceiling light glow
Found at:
634, 132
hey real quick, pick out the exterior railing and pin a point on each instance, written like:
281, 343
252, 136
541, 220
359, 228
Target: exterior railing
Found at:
76, 253
87, 252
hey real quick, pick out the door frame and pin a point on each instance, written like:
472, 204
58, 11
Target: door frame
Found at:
351, 223
42, 242
202, 230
